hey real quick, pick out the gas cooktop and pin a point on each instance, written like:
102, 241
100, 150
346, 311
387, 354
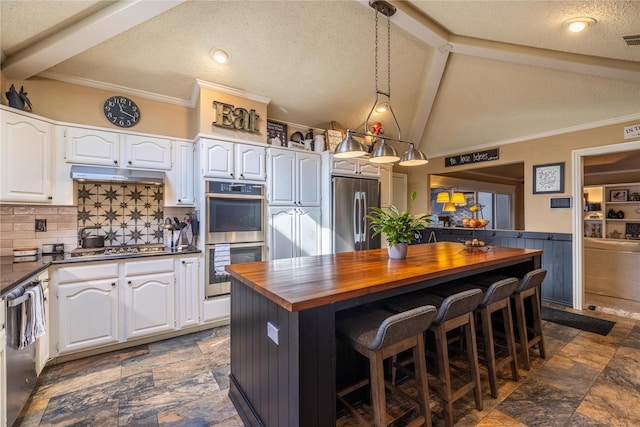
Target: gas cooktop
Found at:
119, 250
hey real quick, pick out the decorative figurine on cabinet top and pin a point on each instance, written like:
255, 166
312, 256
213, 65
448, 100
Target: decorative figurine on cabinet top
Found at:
18, 99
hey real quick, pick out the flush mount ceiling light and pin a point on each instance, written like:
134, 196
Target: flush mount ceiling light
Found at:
382, 152
219, 55
576, 25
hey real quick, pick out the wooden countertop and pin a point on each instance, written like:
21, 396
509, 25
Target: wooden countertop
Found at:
298, 284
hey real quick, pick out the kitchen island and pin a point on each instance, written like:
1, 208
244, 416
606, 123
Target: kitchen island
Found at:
283, 312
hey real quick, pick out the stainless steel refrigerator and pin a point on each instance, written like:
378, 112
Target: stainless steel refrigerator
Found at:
351, 200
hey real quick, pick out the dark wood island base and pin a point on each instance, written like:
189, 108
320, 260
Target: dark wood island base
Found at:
283, 314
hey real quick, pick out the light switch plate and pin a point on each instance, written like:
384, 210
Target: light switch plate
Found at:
272, 332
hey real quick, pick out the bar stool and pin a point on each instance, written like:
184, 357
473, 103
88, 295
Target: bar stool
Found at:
495, 298
378, 335
454, 312
529, 289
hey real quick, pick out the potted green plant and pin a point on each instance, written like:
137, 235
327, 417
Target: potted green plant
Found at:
398, 227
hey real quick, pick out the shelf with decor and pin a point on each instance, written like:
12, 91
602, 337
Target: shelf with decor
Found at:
621, 211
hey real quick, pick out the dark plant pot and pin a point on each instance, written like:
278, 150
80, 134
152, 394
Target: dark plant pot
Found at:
91, 242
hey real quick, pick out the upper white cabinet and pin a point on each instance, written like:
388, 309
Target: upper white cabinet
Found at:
224, 159
357, 167
26, 159
179, 188
294, 178
386, 185
102, 148
293, 232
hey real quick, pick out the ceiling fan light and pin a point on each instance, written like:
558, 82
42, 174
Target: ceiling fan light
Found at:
413, 157
349, 148
384, 153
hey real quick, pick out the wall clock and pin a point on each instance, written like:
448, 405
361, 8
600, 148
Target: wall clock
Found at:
121, 111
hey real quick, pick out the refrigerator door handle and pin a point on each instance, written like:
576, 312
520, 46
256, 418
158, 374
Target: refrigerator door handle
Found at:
363, 219
356, 208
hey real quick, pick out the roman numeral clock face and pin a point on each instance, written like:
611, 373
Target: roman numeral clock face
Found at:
121, 111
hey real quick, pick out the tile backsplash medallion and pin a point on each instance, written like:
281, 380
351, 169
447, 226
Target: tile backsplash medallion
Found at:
129, 214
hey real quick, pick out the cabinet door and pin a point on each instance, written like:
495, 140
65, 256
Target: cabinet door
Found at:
282, 233
92, 147
149, 304
217, 158
188, 291
87, 314
366, 168
386, 186
26, 157
308, 239
250, 162
282, 177
179, 188
147, 153
346, 166
309, 168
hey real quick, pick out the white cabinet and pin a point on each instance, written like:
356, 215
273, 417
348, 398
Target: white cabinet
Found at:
294, 178
294, 232
357, 167
86, 311
3, 367
187, 291
103, 148
25, 159
43, 343
179, 186
146, 153
224, 159
386, 185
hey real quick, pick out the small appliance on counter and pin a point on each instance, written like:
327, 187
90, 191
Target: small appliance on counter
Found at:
25, 254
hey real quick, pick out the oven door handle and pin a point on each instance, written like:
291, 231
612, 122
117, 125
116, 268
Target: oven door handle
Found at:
233, 196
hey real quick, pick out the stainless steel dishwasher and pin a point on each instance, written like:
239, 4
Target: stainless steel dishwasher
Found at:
21, 363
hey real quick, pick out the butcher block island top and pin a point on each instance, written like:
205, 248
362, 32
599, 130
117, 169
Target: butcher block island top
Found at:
298, 284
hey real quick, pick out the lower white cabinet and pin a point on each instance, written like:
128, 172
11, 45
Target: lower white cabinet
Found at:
294, 232
187, 291
43, 343
149, 304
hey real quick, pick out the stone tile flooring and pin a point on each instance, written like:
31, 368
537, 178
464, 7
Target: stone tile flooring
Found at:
586, 380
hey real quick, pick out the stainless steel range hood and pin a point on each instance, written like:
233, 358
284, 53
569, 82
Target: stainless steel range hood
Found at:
94, 173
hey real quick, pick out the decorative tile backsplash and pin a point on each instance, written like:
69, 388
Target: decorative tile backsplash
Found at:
129, 214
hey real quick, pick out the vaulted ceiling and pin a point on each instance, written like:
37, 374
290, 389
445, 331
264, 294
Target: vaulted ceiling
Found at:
464, 74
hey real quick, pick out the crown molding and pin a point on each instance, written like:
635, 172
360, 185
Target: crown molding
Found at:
201, 84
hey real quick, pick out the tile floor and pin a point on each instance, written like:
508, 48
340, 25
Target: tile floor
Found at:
586, 380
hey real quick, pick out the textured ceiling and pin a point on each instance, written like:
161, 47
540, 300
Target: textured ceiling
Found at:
314, 60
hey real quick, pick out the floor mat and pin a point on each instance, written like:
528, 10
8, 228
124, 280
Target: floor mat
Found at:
578, 321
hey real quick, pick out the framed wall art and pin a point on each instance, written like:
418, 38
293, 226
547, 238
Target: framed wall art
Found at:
548, 178
618, 195
334, 137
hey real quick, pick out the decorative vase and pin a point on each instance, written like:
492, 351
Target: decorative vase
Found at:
398, 251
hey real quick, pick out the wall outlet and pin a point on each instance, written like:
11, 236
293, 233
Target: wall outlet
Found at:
272, 332
41, 225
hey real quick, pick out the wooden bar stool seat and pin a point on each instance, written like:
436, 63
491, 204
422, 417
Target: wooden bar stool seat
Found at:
455, 311
529, 288
378, 335
495, 298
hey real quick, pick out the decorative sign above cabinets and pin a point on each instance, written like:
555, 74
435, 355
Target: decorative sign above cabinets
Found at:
477, 157
227, 116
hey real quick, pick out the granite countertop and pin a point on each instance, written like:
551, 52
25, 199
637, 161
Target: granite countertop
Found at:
13, 273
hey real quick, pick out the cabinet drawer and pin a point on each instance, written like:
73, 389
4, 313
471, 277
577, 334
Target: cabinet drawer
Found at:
86, 272
133, 268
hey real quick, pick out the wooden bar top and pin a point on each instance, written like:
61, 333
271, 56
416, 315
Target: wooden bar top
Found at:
298, 284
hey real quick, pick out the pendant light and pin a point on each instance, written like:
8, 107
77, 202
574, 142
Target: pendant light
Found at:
382, 152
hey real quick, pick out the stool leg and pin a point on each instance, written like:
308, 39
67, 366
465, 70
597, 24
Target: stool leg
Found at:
378, 402
442, 349
421, 379
472, 351
522, 331
511, 341
489, 350
537, 322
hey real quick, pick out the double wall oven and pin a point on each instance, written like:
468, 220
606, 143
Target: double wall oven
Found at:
235, 230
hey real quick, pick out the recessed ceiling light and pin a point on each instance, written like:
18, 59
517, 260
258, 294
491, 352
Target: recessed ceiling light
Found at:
219, 55
576, 25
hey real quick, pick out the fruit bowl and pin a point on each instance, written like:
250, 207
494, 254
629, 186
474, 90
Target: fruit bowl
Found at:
476, 244
474, 223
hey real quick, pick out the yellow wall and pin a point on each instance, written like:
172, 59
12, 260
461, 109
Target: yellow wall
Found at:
537, 214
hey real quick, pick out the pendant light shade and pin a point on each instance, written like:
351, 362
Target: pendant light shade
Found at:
443, 197
349, 148
413, 157
458, 199
449, 207
384, 153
